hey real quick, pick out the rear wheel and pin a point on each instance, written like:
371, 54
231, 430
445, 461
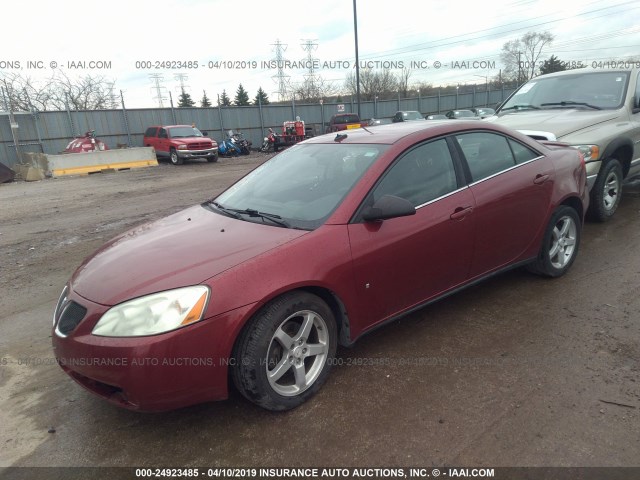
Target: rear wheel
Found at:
560, 243
174, 157
606, 192
284, 354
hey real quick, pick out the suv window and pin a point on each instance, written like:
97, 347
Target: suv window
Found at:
151, 132
421, 175
162, 133
486, 153
339, 120
600, 89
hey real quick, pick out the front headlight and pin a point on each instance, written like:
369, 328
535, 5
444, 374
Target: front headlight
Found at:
590, 152
153, 314
182, 146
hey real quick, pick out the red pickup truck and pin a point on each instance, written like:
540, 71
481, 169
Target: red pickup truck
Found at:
343, 121
180, 142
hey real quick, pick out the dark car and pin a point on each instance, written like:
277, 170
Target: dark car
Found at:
436, 117
483, 112
467, 114
406, 116
316, 247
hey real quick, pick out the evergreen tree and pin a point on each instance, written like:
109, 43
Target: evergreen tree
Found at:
185, 100
552, 65
242, 97
261, 98
205, 102
224, 100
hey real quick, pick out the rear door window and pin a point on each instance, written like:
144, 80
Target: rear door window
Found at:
486, 154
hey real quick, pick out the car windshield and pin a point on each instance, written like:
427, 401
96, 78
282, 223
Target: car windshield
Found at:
412, 116
303, 185
582, 90
184, 132
463, 113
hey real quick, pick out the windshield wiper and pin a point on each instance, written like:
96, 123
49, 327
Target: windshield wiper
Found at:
570, 103
518, 107
226, 211
277, 219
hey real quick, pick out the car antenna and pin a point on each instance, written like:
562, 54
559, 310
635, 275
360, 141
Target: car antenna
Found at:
365, 129
340, 137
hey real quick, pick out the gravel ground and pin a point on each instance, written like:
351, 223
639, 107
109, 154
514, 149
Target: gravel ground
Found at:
517, 371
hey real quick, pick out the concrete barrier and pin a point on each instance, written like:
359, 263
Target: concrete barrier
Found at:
94, 162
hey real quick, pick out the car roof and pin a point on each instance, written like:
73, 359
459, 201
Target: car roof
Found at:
389, 134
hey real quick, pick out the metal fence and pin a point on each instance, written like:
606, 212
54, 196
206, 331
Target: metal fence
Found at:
50, 132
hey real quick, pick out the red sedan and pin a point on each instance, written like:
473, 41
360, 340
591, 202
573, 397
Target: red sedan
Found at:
316, 247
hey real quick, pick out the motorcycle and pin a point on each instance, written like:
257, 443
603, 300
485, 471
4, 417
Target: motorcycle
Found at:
242, 143
229, 146
86, 143
235, 144
270, 142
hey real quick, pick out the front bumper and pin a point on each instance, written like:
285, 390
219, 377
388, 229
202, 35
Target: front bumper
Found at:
211, 152
153, 373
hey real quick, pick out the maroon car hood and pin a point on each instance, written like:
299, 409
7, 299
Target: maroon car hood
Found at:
183, 249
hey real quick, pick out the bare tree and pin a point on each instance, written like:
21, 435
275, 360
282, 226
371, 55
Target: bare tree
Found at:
403, 81
520, 57
56, 93
314, 88
379, 83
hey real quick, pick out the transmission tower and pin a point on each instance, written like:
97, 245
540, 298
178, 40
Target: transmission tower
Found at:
113, 102
311, 81
157, 80
182, 78
281, 78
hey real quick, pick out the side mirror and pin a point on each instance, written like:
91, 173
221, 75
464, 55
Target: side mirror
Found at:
206, 134
636, 104
388, 206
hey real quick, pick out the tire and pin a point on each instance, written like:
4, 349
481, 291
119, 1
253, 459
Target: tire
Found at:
213, 159
606, 192
285, 352
560, 243
174, 158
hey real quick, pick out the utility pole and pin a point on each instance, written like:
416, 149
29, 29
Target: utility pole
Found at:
519, 68
355, 31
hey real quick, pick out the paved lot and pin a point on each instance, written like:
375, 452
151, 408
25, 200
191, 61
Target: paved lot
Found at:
518, 371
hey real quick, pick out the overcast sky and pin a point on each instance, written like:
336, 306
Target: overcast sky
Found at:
201, 31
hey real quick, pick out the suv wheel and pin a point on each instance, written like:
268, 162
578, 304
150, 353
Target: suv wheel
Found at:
606, 192
173, 156
213, 158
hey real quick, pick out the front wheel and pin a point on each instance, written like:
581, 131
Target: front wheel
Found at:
174, 157
213, 158
284, 354
606, 192
560, 243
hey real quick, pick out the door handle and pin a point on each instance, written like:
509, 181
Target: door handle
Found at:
460, 213
540, 179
